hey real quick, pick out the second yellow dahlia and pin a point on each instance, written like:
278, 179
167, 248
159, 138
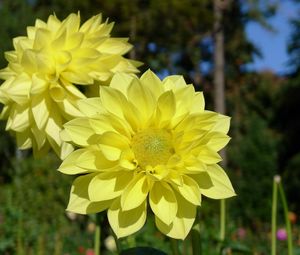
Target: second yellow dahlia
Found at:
146, 142
40, 88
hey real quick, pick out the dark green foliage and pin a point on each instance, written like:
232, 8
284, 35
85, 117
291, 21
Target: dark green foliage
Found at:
287, 121
255, 161
15, 17
33, 213
291, 177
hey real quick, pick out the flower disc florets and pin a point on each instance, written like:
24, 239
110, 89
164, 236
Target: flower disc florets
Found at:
40, 89
152, 147
146, 141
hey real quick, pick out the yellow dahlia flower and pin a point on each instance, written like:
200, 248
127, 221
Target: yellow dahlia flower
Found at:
40, 92
146, 141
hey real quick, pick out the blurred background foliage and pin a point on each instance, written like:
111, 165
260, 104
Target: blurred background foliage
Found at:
170, 36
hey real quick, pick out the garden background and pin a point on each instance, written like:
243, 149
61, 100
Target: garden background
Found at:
170, 37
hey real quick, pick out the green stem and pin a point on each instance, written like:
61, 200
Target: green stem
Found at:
287, 221
222, 220
274, 214
174, 246
131, 241
97, 241
118, 244
196, 240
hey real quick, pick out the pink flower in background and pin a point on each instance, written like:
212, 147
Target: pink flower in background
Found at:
89, 252
241, 233
281, 234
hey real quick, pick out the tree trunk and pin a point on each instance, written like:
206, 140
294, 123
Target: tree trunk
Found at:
219, 64
132, 53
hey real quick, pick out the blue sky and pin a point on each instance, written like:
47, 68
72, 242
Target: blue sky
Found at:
273, 44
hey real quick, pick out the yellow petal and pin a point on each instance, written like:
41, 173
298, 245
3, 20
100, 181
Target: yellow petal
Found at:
74, 41
183, 98
91, 24
218, 186
38, 85
19, 118
42, 38
93, 159
65, 150
79, 131
216, 140
40, 106
166, 108
163, 202
40, 137
113, 100
53, 23
70, 108
45, 62
127, 159
198, 103
91, 106
60, 40
125, 223
54, 127
114, 46
189, 189
114, 139
72, 23
72, 89
135, 193
77, 78
182, 223
19, 89
28, 61
194, 165
222, 124
57, 92
69, 166
105, 123
174, 82
151, 81
208, 156
79, 202
23, 140
121, 82
110, 152
108, 185
142, 99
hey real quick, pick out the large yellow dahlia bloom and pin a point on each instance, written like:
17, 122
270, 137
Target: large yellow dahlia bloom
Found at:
40, 92
146, 141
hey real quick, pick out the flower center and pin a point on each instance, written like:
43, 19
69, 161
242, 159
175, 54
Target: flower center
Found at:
152, 147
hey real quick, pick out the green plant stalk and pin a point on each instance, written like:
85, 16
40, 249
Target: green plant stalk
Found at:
97, 241
287, 221
58, 244
196, 239
131, 241
274, 217
118, 243
174, 247
20, 247
222, 219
